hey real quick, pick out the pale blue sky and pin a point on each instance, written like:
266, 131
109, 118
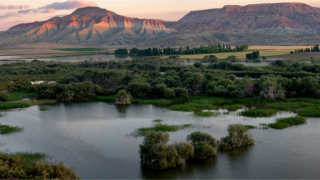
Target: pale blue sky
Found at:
172, 10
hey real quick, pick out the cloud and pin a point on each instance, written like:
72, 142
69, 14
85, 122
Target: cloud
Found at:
48, 11
28, 11
14, 6
10, 14
72, 4
51, 8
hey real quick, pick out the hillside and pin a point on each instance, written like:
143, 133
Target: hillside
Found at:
258, 24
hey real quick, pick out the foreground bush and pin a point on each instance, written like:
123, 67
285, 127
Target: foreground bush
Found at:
237, 137
156, 154
4, 96
12, 167
286, 122
204, 144
123, 98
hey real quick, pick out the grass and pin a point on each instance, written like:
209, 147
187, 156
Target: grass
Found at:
20, 94
191, 107
286, 122
81, 49
233, 107
249, 126
288, 106
162, 102
258, 112
12, 105
29, 156
6, 129
312, 111
44, 109
111, 99
159, 127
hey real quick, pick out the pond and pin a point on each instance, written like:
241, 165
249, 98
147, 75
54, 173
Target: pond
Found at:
94, 139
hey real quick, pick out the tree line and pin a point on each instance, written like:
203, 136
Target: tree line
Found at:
212, 48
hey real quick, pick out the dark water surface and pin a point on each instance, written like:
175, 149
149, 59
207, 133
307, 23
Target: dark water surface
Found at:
93, 139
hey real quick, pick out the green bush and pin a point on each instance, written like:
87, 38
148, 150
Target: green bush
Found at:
122, 98
12, 167
286, 122
287, 106
169, 93
258, 112
4, 96
204, 144
237, 137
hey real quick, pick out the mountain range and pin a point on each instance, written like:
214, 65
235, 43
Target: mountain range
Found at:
257, 24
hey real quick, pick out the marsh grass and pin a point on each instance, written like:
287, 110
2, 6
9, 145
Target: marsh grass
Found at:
286, 122
258, 112
311, 111
206, 113
191, 107
288, 106
20, 94
44, 109
6, 129
233, 107
249, 126
29, 156
160, 102
159, 127
13, 105
111, 99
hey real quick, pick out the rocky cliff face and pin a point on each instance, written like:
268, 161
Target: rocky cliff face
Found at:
259, 24
266, 18
90, 26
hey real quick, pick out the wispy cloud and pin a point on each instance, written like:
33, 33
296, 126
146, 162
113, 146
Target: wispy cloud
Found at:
14, 6
51, 8
10, 14
72, 4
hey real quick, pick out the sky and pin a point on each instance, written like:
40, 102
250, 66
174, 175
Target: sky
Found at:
25, 11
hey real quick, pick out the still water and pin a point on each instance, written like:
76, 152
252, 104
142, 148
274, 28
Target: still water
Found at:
93, 138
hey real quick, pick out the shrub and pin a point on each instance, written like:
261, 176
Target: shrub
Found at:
12, 167
232, 58
155, 154
282, 123
181, 93
237, 137
122, 98
4, 96
169, 93
204, 144
32, 88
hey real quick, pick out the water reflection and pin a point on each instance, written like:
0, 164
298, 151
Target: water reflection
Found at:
90, 137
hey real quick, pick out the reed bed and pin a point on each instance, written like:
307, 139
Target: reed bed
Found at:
286, 122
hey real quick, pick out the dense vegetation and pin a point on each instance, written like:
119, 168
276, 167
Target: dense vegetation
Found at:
286, 122
13, 167
212, 48
237, 137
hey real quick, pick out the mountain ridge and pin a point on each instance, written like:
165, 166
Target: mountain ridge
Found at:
292, 23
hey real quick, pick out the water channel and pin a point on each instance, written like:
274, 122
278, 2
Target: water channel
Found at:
94, 139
